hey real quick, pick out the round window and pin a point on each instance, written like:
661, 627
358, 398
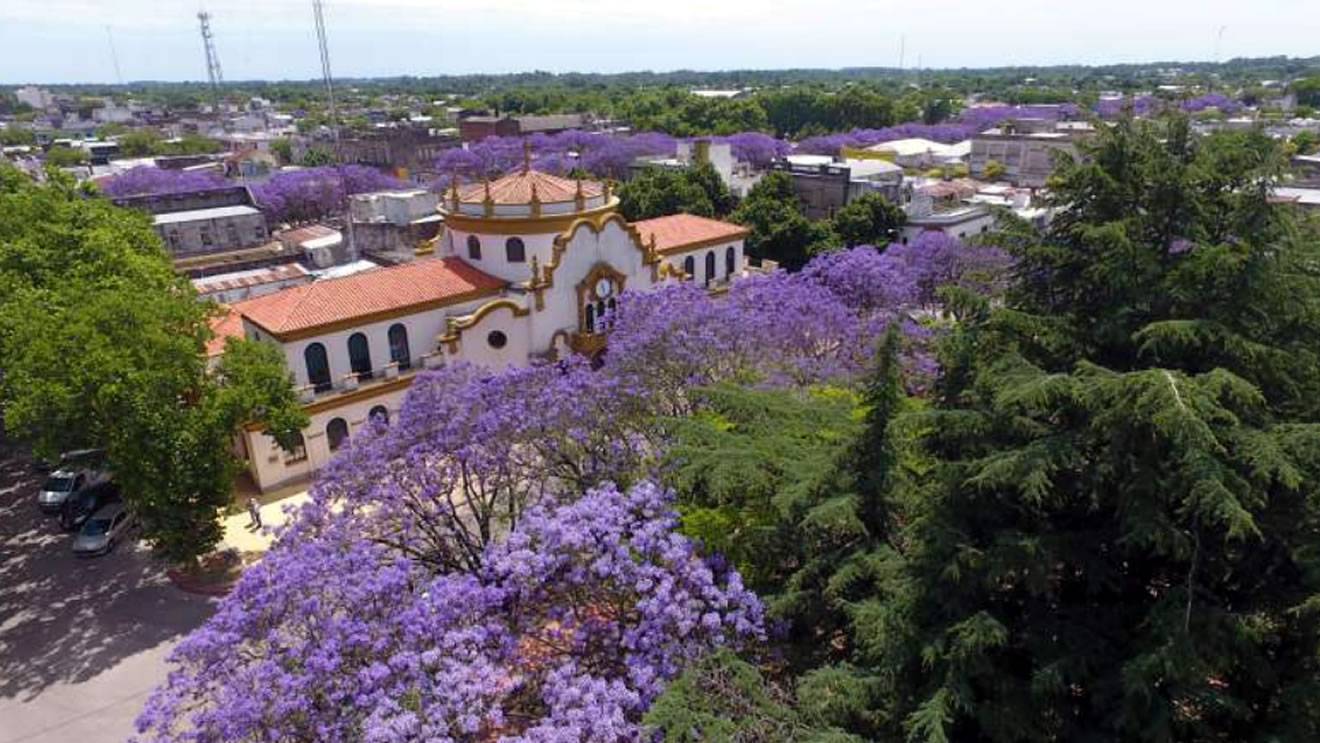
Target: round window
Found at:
497, 339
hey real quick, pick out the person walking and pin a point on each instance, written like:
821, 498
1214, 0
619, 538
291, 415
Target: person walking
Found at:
254, 513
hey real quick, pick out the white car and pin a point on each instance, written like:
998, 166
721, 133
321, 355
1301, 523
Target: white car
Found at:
77, 470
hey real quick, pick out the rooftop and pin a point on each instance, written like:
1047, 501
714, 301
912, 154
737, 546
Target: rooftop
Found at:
516, 188
250, 277
679, 232
375, 294
224, 326
196, 215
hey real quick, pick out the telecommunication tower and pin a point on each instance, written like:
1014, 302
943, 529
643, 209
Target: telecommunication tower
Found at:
212, 59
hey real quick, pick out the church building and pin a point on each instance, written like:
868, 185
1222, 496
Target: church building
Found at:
527, 267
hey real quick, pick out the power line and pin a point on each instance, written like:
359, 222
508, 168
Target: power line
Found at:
114, 56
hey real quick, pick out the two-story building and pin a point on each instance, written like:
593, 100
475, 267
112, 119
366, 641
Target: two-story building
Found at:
527, 267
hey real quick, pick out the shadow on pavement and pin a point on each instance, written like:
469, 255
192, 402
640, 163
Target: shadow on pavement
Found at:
65, 619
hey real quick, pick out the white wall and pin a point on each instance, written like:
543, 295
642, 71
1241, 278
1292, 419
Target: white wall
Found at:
699, 259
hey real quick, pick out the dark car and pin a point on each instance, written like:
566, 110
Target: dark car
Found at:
85, 502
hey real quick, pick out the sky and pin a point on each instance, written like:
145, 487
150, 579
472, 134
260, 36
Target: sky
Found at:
64, 41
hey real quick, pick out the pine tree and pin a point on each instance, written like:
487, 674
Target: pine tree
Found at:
1118, 538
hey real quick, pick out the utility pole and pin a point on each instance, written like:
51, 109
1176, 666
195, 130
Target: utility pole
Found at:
212, 60
334, 121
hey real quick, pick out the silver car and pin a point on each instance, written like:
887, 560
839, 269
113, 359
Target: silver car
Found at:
58, 487
101, 532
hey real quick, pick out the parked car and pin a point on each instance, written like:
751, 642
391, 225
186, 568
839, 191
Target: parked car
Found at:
77, 470
101, 532
82, 504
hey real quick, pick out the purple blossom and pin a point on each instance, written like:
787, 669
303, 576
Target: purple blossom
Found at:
149, 180
313, 193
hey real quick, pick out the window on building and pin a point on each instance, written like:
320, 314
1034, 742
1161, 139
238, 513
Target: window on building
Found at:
730, 260
399, 353
710, 266
359, 356
231, 231
259, 232
497, 339
299, 451
474, 247
318, 367
379, 413
336, 431
514, 250
205, 234
591, 318
690, 267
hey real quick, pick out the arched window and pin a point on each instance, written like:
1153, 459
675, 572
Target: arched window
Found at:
514, 250
591, 318
474, 248
299, 451
379, 413
730, 259
690, 267
318, 367
710, 266
359, 355
399, 353
336, 431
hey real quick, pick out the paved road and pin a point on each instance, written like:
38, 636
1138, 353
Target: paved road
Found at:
82, 642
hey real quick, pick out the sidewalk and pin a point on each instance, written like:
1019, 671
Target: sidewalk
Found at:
237, 533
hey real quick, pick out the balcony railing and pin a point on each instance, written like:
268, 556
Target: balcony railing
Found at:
373, 378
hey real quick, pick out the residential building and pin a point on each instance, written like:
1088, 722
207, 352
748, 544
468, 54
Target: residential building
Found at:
953, 218
738, 176
1306, 168
406, 150
35, 97
1027, 156
477, 128
916, 153
528, 267
316, 245
203, 222
824, 184
235, 286
392, 224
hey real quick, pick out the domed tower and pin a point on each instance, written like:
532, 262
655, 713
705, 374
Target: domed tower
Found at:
506, 225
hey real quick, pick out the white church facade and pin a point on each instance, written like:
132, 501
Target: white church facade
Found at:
524, 269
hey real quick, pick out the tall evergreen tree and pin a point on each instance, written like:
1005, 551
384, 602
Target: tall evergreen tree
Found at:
1118, 539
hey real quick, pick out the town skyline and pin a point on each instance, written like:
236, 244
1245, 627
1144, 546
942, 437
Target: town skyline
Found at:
158, 41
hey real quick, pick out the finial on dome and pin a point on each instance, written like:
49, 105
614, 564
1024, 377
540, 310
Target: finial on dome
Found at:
535, 202
607, 191
527, 155
579, 198
453, 190
489, 201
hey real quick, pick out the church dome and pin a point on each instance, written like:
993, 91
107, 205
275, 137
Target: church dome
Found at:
527, 193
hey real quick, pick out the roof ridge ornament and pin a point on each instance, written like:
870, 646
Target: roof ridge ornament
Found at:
527, 155
489, 202
453, 190
579, 198
535, 202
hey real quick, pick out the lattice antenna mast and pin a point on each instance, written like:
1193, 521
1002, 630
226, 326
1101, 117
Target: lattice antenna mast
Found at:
213, 72
334, 113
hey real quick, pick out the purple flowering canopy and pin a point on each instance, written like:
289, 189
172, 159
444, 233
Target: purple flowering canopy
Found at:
313, 193
496, 564
147, 180
567, 632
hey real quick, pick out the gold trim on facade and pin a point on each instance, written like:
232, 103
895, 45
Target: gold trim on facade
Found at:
596, 225
522, 225
601, 270
330, 402
454, 326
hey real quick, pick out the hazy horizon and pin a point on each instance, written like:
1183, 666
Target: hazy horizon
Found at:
158, 40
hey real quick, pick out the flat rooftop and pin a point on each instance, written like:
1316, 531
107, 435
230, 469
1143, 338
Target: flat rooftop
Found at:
197, 215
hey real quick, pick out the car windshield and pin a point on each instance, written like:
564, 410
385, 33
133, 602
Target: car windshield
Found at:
58, 484
96, 527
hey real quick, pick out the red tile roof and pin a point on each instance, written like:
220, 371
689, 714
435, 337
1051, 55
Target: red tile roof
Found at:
679, 232
516, 188
224, 326
363, 297
303, 234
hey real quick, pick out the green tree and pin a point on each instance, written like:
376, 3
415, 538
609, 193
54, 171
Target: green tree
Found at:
102, 346
1306, 142
994, 170
779, 230
282, 148
1117, 539
316, 157
139, 143
11, 136
655, 192
64, 157
705, 177
1307, 91
869, 220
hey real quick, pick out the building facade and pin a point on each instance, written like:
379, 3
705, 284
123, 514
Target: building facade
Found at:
527, 267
